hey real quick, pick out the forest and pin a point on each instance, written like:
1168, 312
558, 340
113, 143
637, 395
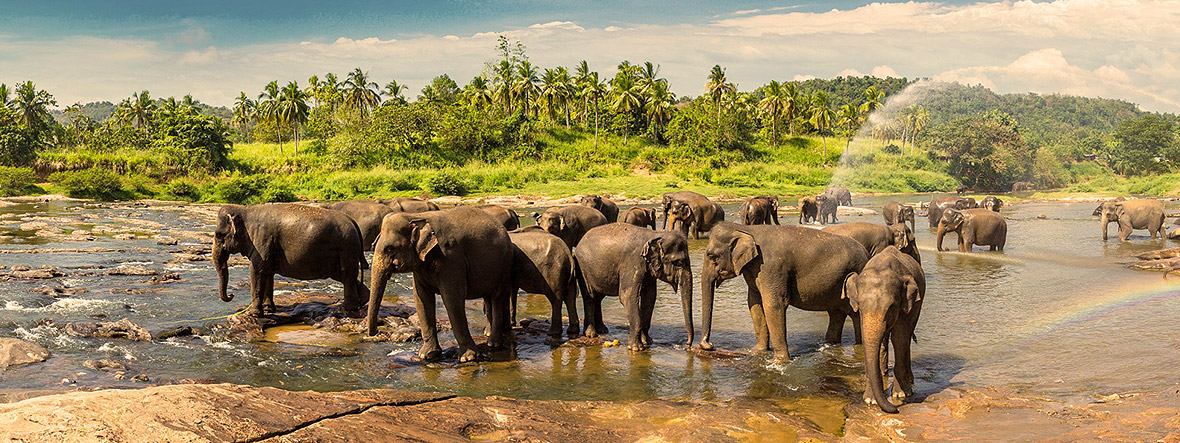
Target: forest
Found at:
522, 128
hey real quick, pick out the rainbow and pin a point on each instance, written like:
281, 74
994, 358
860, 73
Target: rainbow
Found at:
1110, 305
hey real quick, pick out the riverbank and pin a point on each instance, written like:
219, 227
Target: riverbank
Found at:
228, 412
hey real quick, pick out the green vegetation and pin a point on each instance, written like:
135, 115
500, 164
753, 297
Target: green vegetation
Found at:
522, 128
16, 181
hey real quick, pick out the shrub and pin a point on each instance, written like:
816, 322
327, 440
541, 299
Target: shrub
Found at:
253, 189
446, 183
183, 189
892, 149
93, 183
16, 147
13, 181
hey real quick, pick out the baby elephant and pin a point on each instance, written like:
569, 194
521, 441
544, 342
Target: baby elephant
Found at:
760, 210
625, 261
887, 295
642, 217
608, 208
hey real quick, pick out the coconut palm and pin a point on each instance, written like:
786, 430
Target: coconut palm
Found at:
477, 93
330, 91
140, 110
822, 116
849, 118
791, 104
918, 120
244, 110
32, 106
291, 109
873, 100
552, 93
314, 87
717, 87
658, 108
525, 89
505, 77
4, 95
594, 91
267, 107
773, 104
360, 93
582, 74
627, 94
394, 90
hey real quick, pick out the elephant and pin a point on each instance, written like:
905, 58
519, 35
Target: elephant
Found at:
827, 208
875, 238
968, 203
692, 222
976, 226
367, 214
991, 203
1098, 210
292, 240
940, 204
887, 296
808, 210
704, 212
841, 194
608, 208
640, 217
760, 210
570, 222
625, 261
506, 216
679, 215
1136, 213
543, 264
461, 254
895, 212
782, 265
411, 205
962, 190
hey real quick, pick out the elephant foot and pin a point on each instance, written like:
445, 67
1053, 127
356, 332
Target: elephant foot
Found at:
467, 355
868, 398
706, 346
352, 311
635, 346
760, 349
572, 331
781, 358
902, 393
553, 340
645, 339
430, 353
254, 311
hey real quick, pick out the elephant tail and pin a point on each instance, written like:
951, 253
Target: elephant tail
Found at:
364, 263
914, 336
580, 280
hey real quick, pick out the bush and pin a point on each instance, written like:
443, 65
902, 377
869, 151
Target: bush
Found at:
13, 181
183, 189
892, 149
253, 189
446, 183
16, 147
99, 184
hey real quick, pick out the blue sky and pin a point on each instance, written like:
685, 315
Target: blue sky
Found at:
92, 50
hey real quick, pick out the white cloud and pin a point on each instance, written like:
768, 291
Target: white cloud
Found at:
1116, 49
850, 72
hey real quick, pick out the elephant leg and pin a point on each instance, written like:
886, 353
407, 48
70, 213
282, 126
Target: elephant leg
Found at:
885, 355
630, 297
592, 303
512, 309
456, 312
647, 306
600, 324
758, 318
835, 332
351, 304
499, 318
903, 373
570, 298
775, 307
257, 291
425, 303
268, 291
856, 328
554, 315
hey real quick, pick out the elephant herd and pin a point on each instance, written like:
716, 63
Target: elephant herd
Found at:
871, 273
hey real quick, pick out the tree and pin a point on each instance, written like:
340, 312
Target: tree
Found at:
441, 90
822, 117
244, 110
582, 76
773, 104
477, 93
314, 88
791, 104
717, 88
849, 118
394, 90
505, 78
526, 89
594, 91
552, 93
4, 95
1142, 145
292, 109
267, 111
984, 151
658, 108
873, 100
627, 96
33, 106
361, 94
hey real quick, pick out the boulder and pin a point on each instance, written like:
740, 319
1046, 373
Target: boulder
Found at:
15, 352
117, 329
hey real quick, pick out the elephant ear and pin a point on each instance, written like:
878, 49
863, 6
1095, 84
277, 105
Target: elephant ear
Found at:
536, 216
653, 253
1119, 209
911, 293
423, 237
851, 292
743, 249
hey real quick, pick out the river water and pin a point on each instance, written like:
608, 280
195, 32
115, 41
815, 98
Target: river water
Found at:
1057, 313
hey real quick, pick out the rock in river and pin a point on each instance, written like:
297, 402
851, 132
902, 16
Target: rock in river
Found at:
111, 329
15, 352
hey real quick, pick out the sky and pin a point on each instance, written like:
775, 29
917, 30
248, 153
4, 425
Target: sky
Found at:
84, 51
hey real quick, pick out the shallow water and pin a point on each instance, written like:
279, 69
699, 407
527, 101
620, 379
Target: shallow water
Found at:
1058, 312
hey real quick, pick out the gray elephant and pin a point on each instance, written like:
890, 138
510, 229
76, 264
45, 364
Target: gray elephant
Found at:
543, 264
461, 254
828, 205
678, 197
640, 217
760, 210
506, 216
961, 190
296, 241
570, 222
608, 208
841, 194
895, 212
887, 296
408, 204
622, 260
367, 214
1137, 213
783, 266
875, 238
808, 210
703, 212
975, 226
940, 204
1098, 210
991, 203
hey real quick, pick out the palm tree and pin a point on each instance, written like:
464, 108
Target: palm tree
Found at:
567, 89
553, 93
526, 88
477, 92
873, 100
822, 116
393, 90
314, 87
717, 87
32, 106
330, 90
627, 97
582, 76
244, 110
4, 93
594, 90
141, 109
659, 108
268, 102
791, 104
849, 118
292, 109
505, 77
360, 93
773, 104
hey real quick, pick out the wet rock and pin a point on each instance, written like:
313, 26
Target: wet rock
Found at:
25, 273
123, 236
166, 241
142, 378
170, 277
15, 352
179, 331
105, 365
39, 226
57, 291
122, 329
132, 270
1042, 216
130, 291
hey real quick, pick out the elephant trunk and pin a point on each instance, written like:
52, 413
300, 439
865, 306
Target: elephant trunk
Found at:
913, 228
1104, 222
221, 263
379, 276
684, 277
708, 285
873, 331
941, 234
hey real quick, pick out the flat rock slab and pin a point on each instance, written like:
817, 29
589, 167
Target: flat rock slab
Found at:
15, 352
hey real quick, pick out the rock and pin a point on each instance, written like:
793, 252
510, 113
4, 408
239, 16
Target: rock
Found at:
14, 352
132, 270
23, 272
52, 291
143, 378
1042, 216
170, 277
166, 241
120, 329
179, 331
105, 365
123, 236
